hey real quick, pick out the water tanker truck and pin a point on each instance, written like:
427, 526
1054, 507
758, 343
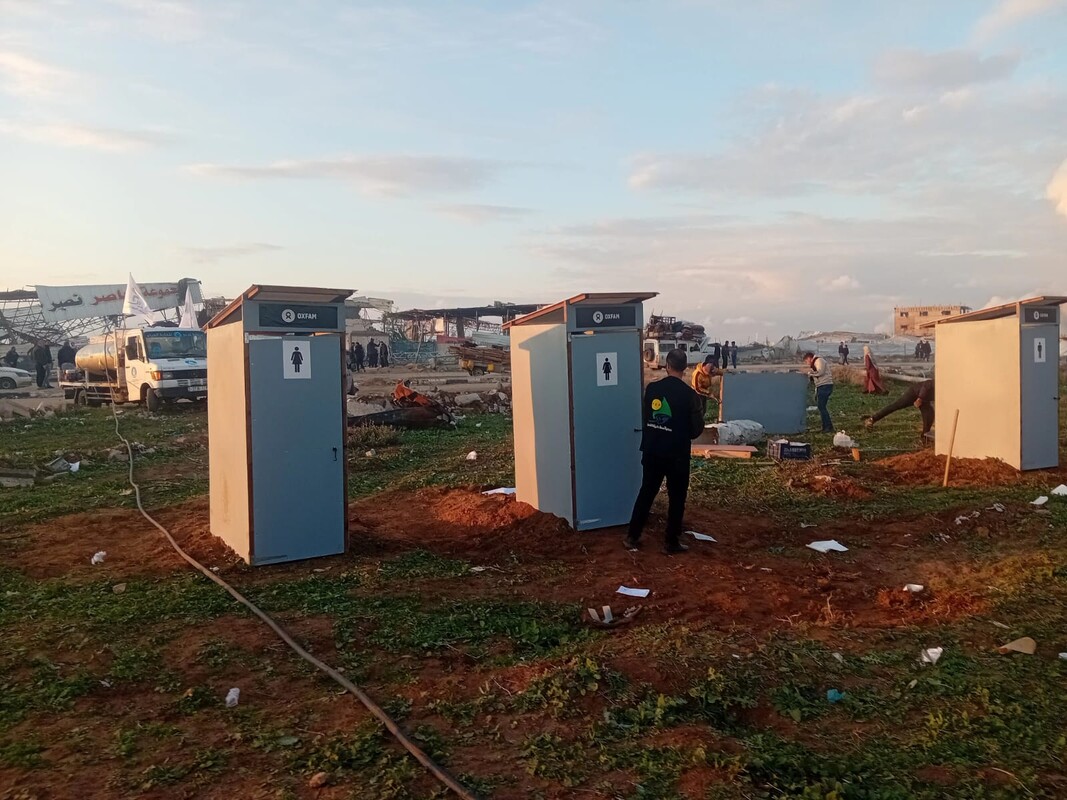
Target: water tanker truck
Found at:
150, 365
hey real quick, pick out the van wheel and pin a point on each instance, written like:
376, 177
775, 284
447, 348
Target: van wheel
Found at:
7, 383
153, 402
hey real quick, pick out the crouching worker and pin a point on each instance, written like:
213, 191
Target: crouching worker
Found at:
920, 395
672, 419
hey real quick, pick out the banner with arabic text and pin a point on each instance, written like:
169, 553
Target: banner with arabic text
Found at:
59, 303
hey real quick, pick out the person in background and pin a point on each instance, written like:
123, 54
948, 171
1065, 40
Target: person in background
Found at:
733, 354
920, 395
65, 356
671, 421
874, 383
372, 353
383, 355
359, 356
842, 350
715, 353
823, 379
11, 357
928, 350
701, 383
725, 354
42, 360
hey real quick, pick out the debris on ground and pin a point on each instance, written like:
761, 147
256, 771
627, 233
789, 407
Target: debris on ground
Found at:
17, 478
1024, 645
834, 696
406, 408
701, 537
1060, 491
119, 588
827, 546
318, 780
626, 590
967, 517
472, 455
913, 588
504, 491
609, 620
844, 441
98, 557
233, 697
931, 655
998, 507
1039, 501
738, 431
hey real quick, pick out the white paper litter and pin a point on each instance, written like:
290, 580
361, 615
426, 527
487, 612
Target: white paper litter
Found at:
999, 508
812, 408
701, 537
804, 525
839, 658
478, 569
371, 453
98, 558
967, 517
1039, 501
77, 465
830, 545
505, 490
472, 455
931, 655
1063, 656
1059, 491
232, 697
626, 590
914, 588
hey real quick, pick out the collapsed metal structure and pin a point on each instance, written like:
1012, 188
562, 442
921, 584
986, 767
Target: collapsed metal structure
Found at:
25, 319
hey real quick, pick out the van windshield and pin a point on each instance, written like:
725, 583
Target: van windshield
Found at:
175, 344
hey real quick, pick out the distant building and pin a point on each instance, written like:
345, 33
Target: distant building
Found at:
907, 319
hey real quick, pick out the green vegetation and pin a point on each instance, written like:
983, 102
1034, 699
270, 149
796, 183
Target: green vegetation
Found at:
517, 694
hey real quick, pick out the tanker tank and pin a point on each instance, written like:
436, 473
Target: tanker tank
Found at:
98, 356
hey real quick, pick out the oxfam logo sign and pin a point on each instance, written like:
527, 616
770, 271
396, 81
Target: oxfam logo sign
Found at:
288, 315
598, 317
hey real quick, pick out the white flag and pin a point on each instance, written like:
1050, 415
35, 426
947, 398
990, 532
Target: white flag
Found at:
134, 303
188, 312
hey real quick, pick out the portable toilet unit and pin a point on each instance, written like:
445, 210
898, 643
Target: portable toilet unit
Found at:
277, 423
1000, 368
576, 375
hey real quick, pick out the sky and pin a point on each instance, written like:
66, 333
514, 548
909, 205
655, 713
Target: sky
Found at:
767, 167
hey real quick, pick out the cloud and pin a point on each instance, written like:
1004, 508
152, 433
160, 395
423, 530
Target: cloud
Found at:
842, 283
22, 75
746, 320
1009, 13
209, 255
889, 144
478, 214
948, 69
165, 19
1056, 191
111, 140
380, 175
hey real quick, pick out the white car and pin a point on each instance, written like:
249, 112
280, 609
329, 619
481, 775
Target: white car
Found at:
12, 378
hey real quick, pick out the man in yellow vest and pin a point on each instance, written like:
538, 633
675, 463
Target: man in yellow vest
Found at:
701, 382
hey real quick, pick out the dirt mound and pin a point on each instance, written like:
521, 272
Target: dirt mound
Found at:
461, 520
924, 468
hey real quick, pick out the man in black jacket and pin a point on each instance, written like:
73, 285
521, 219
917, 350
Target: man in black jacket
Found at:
920, 395
672, 419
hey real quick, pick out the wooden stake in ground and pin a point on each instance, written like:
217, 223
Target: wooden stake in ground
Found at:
951, 445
